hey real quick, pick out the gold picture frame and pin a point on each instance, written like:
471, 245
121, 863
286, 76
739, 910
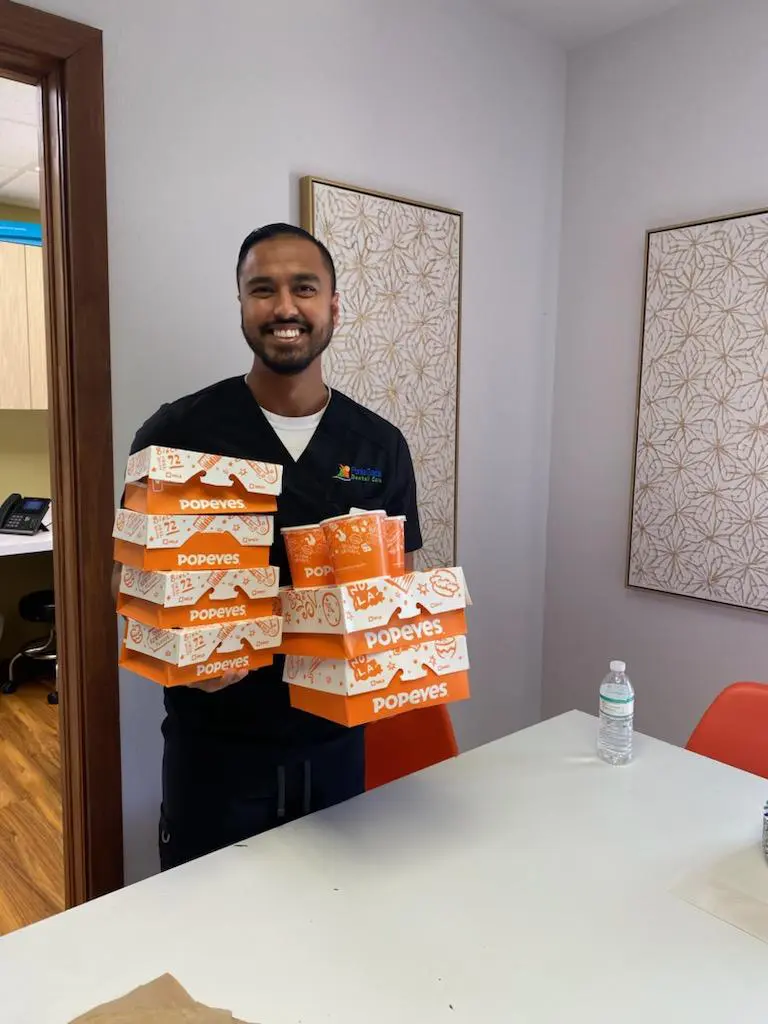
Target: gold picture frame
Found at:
698, 525
398, 346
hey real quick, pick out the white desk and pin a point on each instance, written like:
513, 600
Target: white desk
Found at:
18, 544
524, 883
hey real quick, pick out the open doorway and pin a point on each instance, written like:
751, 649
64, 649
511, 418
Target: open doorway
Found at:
31, 846
61, 62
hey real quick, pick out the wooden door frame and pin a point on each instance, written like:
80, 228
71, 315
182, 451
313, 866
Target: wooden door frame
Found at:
65, 59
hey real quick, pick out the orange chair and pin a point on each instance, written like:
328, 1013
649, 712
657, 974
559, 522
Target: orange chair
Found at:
398, 746
734, 728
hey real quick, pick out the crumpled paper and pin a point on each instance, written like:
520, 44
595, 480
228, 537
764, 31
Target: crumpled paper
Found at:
162, 1001
735, 890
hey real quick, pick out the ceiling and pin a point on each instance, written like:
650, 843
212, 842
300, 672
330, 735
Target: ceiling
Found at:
570, 22
576, 22
19, 144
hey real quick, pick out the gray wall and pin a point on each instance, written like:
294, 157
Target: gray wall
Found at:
210, 122
664, 125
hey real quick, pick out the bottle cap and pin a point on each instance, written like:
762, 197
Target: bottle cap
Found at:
618, 666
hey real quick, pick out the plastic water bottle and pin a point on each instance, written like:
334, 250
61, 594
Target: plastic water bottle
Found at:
617, 710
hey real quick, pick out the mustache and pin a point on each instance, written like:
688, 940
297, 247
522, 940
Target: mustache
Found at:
292, 322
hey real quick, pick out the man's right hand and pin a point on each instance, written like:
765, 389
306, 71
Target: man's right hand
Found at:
206, 685
221, 683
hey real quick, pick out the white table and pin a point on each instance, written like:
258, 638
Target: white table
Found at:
19, 544
524, 883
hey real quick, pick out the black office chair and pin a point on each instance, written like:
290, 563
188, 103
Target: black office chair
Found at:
38, 606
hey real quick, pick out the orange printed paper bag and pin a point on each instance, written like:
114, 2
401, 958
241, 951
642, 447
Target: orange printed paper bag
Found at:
371, 707
374, 615
173, 480
378, 671
172, 656
174, 599
152, 542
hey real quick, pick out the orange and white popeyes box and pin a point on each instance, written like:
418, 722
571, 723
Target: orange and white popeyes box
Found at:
173, 599
380, 685
192, 542
178, 656
172, 480
355, 619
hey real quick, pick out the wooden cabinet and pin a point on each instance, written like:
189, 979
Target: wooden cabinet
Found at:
38, 347
15, 390
23, 349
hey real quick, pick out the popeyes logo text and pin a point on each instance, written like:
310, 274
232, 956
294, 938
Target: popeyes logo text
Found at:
412, 632
421, 695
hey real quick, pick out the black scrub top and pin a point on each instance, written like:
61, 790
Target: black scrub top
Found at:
355, 458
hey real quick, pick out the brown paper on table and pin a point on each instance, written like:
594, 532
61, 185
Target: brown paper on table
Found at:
735, 890
162, 1001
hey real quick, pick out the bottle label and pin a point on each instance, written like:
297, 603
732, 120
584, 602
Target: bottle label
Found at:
612, 708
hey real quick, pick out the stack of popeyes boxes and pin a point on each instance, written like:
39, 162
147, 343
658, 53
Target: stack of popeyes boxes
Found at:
197, 591
371, 641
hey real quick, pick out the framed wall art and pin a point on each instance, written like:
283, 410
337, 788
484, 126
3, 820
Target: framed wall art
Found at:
699, 516
399, 265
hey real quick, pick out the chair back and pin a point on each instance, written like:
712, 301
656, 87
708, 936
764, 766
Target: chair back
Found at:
734, 728
407, 743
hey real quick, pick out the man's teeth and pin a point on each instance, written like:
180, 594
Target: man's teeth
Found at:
287, 333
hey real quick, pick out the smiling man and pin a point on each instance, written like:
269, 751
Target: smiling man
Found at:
238, 759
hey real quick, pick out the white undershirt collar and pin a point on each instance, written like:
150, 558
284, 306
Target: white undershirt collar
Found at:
295, 432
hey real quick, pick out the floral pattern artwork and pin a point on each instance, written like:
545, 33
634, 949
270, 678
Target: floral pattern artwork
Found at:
700, 503
397, 347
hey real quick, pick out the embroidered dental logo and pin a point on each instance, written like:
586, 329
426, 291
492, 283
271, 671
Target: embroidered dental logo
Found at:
359, 474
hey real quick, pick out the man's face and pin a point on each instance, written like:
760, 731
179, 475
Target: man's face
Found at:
288, 309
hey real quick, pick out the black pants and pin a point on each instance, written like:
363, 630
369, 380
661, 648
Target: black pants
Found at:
211, 800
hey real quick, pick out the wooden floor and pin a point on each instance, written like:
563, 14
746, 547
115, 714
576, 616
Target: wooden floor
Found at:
31, 858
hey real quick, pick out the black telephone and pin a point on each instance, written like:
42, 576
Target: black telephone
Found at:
23, 515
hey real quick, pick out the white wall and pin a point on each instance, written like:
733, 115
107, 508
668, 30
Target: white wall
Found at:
664, 125
210, 122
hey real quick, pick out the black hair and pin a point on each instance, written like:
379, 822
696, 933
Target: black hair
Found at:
270, 231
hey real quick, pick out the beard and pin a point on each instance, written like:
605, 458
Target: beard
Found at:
288, 359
